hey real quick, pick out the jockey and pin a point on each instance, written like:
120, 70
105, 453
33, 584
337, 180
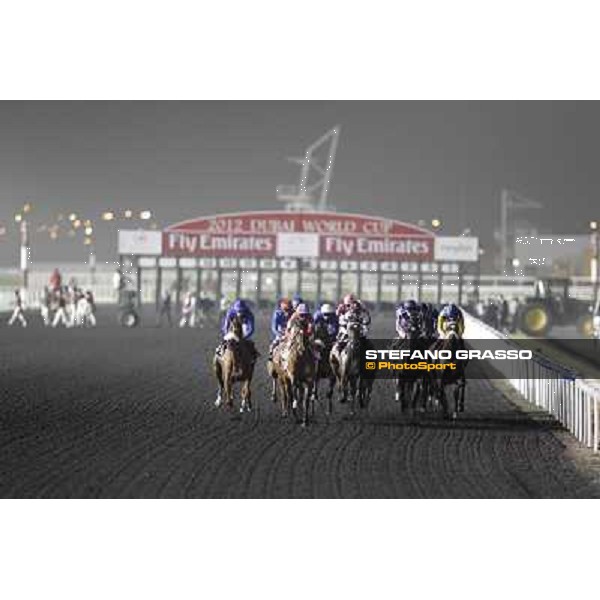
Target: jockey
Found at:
238, 309
450, 314
303, 318
434, 313
280, 318
279, 321
351, 307
327, 316
296, 300
406, 313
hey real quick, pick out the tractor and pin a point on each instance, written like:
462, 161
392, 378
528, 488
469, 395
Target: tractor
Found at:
127, 313
551, 305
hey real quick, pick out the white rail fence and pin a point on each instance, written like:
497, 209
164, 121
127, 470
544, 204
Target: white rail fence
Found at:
548, 385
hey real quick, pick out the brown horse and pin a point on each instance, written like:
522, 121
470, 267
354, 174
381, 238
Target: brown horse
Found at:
293, 369
235, 364
276, 370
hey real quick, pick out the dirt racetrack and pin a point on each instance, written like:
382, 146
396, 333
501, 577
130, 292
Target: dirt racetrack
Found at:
112, 412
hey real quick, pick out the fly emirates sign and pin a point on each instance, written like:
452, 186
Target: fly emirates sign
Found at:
317, 235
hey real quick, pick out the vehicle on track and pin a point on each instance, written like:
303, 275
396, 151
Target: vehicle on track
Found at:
128, 315
552, 305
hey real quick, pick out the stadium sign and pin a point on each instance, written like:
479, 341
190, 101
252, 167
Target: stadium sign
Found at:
458, 249
324, 235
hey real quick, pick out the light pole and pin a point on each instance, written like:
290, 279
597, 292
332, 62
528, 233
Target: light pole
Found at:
510, 201
89, 241
594, 272
21, 220
480, 254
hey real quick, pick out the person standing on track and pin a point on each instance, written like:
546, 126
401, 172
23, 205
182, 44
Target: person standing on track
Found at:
61, 312
188, 311
87, 307
18, 312
45, 303
165, 309
55, 281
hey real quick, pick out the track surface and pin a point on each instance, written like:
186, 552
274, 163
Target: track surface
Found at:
129, 413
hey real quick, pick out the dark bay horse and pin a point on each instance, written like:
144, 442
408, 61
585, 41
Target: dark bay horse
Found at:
411, 384
235, 364
454, 378
347, 368
324, 343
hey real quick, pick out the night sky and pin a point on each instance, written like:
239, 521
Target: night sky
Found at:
407, 160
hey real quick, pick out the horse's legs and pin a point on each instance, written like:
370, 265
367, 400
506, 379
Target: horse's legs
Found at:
228, 390
353, 390
444, 400
246, 394
414, 393
285, 397
274, 390
219, 374
305, 394
315, 389
404, 387
330, 395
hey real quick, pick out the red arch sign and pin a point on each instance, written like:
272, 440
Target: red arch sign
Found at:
324, 235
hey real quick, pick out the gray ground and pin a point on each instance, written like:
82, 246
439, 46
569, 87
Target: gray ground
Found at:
129, 413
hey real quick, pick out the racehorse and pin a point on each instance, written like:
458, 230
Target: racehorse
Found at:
440, 379
324, 371
347, 368
293, 368
410, 383
235, 364
276, 370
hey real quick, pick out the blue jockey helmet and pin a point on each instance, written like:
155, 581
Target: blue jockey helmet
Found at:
303, 309
239, 306
410, 305
451, 311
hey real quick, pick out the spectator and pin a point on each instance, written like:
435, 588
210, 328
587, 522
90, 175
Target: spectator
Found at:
165, 308
55, 281
188, 311
18, 312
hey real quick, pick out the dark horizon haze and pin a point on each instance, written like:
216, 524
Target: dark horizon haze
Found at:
404, 160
